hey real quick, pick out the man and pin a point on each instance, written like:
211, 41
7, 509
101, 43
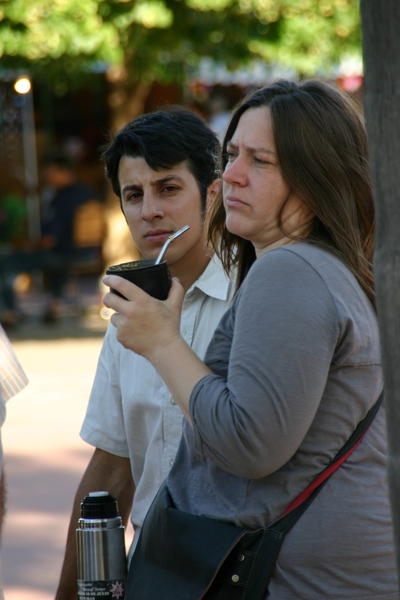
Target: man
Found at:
163, 167
53, 252
12, 381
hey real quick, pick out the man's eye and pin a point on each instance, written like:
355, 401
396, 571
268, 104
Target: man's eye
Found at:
230, 156
170, 188
134, 196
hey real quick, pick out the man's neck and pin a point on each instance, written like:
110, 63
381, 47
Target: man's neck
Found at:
189, 273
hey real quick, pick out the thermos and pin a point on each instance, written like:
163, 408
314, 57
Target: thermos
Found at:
100, 545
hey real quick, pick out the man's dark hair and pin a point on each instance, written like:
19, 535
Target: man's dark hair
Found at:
164, 139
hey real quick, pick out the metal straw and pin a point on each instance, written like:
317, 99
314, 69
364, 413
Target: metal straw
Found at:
170, 239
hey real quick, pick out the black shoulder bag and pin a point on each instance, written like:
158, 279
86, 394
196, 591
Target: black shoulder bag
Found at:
181, 556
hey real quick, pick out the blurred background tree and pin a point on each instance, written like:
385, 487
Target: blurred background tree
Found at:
96, 64
63, 42
13, 215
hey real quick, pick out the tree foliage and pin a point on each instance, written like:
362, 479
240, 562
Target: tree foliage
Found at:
164, 39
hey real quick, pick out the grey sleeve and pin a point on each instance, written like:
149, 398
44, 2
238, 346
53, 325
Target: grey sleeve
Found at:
284, 336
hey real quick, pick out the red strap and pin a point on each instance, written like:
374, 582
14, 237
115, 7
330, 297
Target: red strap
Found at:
321, 478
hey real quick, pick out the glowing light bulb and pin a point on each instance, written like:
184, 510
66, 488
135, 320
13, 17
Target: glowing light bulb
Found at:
22, 85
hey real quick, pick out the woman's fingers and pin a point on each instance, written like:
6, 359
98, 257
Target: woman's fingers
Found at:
143, 323
123, 286
176, 294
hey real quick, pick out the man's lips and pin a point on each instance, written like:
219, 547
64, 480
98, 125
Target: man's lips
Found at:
157, 235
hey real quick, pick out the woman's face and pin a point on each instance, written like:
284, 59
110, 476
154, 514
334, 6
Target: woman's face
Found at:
253, 187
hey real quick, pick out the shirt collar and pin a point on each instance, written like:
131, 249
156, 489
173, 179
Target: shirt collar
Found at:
213, 281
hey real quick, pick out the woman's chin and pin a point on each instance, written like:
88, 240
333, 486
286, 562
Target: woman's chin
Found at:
235, 227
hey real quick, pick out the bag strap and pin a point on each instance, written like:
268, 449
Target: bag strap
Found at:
294, 511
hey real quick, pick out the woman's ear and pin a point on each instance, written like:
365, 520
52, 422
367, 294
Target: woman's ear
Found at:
212, 191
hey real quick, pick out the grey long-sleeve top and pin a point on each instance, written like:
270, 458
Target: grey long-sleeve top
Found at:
296, 366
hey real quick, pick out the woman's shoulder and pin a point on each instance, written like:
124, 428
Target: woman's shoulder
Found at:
302, 254
302, 259
302, 288
308, 277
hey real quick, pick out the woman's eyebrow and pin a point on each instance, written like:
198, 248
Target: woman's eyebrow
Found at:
251, 149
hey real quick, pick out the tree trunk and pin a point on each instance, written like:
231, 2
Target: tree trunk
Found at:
381, 48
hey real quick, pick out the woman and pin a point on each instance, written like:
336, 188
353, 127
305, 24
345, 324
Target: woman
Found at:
294, 365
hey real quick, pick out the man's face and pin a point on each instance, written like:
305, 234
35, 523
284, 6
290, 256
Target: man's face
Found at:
157, 204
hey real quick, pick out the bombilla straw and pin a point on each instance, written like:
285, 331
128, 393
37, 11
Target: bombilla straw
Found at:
170, 239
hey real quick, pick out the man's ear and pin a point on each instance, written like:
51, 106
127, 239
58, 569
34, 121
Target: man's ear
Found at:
212, 191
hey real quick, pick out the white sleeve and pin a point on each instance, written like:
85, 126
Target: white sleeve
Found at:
103, 426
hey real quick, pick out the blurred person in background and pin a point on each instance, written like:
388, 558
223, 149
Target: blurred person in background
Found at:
219, 115
12, 381
54, 251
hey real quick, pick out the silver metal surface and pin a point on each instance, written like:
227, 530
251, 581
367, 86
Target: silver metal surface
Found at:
170, 239
100, 549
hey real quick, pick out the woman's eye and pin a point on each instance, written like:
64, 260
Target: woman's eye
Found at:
261, 161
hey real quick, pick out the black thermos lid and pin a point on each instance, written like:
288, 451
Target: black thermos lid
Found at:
99, 505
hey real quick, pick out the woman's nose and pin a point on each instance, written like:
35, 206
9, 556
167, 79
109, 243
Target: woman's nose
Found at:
235, 172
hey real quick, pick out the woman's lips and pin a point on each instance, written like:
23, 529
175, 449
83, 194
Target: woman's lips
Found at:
234, 202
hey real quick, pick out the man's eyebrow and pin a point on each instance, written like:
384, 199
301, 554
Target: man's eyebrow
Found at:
134, 186
250, 148
129, 187
167, 178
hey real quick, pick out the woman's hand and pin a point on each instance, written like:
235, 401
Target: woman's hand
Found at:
144, 324
150, 328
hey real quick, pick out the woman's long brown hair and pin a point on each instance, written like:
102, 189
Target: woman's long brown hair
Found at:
322, 149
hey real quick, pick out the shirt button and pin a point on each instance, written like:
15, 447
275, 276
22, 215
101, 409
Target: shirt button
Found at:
173, 401
241, 557
171, 462
235, 578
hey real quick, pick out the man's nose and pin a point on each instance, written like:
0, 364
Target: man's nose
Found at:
151, 208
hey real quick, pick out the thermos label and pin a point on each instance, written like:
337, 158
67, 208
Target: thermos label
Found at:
114, 589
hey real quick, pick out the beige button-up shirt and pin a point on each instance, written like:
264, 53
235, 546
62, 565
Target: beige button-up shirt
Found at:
131, 413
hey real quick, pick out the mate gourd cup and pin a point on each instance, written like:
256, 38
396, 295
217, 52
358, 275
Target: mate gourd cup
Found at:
154, 279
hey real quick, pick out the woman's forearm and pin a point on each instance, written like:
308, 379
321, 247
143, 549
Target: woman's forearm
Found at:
180, 369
